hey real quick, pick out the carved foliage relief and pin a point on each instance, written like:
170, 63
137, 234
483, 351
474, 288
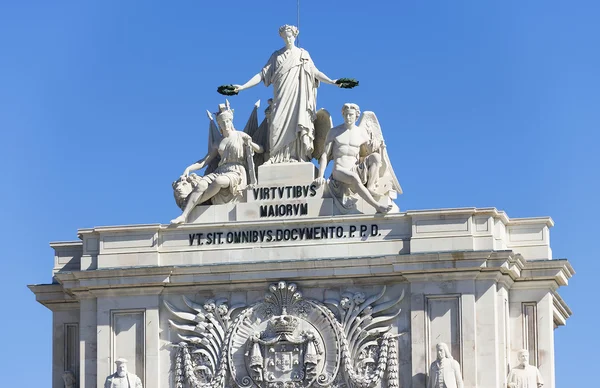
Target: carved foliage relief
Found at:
286, 341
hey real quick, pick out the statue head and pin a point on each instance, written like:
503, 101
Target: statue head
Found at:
442, 351
288, 34
350, 112
121, 367
225, 119
183, 187
269, 109
69, 379
523, 357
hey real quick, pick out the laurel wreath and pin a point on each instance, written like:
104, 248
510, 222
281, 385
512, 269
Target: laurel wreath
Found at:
347, 83
227, 90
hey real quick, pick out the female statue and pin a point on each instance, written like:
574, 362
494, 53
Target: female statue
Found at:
295, 79
230, 175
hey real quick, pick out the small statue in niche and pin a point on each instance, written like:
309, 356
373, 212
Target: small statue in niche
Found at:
524, 375
445, 370
121, 378
69, 379
361, 163
229, 165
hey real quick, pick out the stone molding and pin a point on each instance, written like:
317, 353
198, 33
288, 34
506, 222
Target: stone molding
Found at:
411, 232
503, 267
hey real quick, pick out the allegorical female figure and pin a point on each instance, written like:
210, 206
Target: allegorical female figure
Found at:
230, 176
295, 79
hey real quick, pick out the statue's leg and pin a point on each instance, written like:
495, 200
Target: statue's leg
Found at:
194, 199
373, 162
219, 183
351, 178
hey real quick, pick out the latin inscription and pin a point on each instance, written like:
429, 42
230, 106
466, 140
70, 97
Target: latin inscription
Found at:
285, 234
295, 209
285, 192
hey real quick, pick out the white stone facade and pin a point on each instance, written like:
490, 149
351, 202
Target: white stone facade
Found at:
475, 279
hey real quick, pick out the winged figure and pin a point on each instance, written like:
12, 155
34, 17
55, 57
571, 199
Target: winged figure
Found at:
361, 162
229, 164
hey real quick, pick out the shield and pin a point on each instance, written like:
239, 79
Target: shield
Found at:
284, 362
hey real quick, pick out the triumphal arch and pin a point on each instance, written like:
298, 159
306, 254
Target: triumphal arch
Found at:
277, 275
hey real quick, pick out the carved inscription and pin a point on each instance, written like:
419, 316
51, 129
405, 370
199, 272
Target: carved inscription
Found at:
285, 234
284, 192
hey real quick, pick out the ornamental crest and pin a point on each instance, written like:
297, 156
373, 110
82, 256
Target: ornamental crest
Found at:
286, 341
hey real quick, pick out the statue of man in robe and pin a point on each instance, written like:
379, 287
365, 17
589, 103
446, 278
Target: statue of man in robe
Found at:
445, 370
122, 378
295, 79
524, 375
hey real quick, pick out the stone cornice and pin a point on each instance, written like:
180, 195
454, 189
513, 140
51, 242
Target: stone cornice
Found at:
341, 218
562, 312
558, 270
54, 297
503, 267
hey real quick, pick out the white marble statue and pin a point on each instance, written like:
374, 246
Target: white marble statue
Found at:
121, 378
524, 375
69, 379
361, 164
295, 79
445, 370
229, 162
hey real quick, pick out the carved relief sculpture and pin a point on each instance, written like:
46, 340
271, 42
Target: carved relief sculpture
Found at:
361, 163
445, 370
286, 341
229, 165
295, 79
524, 375
121, 378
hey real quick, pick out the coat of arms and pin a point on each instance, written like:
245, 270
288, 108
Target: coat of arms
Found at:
287, 341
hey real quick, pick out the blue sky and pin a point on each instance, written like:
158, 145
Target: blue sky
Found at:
482, 103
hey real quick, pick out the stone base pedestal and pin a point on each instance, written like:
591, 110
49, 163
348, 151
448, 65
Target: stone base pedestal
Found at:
284, 174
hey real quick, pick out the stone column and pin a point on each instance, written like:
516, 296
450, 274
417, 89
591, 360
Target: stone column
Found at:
487, 333
88, 334
545, 322
65, 349
503, 334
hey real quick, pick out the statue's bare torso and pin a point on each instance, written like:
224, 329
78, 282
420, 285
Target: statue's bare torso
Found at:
346, 147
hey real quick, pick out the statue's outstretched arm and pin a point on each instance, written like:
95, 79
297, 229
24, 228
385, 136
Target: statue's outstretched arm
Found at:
201, 163
323, 78
252, 82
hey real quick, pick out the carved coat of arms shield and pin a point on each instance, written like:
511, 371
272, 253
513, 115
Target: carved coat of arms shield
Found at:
284, 362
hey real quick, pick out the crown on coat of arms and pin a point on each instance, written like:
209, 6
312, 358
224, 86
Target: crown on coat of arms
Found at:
284, 323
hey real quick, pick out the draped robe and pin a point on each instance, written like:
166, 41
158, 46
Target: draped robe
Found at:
525, 377
291, 129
